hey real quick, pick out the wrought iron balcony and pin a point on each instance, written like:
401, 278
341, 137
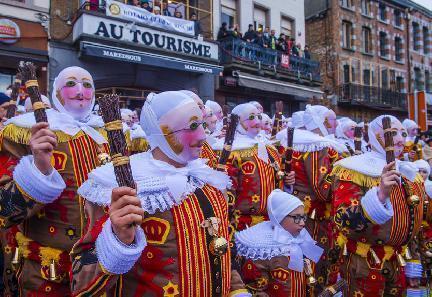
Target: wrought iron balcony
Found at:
356, 94
232, 50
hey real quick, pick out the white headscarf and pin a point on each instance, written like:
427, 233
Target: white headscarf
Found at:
314, 117
409, 124
423, 165
154, 108
214, 106
243, 110
297, 119
269, 239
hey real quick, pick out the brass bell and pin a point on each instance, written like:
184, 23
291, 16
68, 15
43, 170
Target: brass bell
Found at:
345, 250
16, 257
313, 214
218, 246
280, 175
401, 260
408, 254
104, 158
311, 281
52, 271
413, 200
375, 257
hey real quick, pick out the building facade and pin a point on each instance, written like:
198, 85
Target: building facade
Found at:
23, 36
366, 49
133, 57
252, 72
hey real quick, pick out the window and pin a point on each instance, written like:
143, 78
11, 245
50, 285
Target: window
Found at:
384, 78
6, 78
366, 40
260, 18
365, 7
428, 82
229, 12
355, 71
398, 49
383, 44
382, 12
367, 77
287, 27
416, 36
392, 80
418, 84
346, 3
400, 84
346, 73
347, 30
397, 18
425, 40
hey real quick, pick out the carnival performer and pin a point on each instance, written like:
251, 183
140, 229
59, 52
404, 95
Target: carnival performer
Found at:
272, 252
207, 152
345, 135
425, 234
217, 111
378, 212
413, 146
41, 199
167, 237
312, 161
266, 126
253, 167
135, 135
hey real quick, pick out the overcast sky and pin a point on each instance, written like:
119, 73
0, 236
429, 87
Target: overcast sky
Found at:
425, 3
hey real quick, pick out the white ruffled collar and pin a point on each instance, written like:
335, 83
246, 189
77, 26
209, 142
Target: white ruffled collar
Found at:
372, 164
242, 142
63, 122
160, 186
307, 141
265, 241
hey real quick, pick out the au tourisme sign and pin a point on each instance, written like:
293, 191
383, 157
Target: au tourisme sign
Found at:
90, 25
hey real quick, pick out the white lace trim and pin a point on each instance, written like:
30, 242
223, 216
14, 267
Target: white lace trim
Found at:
153, 193
311, 147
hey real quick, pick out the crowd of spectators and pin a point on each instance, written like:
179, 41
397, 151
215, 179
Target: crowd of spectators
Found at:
161, 8
266, 39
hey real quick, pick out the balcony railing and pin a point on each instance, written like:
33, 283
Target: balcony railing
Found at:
372, 96
236, 50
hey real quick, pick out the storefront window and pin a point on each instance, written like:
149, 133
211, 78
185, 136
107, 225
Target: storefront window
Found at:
6, 79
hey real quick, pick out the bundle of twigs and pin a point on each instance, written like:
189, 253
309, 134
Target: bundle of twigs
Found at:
278, 118
366, 135
28, 73
12, 108
110, 109
229, 139
332, 290
289, 150
358, 140
388, 140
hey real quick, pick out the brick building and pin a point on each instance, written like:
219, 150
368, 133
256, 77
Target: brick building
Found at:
372, 53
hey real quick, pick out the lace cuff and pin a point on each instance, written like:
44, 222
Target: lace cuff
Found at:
378, 212
115, 256
42, 188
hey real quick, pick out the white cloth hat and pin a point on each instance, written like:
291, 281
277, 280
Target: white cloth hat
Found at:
409, 124
314, 117
423, 165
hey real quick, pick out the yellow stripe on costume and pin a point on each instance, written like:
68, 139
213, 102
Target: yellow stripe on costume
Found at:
358, 178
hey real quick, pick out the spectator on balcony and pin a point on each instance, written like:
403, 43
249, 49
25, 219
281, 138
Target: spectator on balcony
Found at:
223, 32
260, 40
290, 43
165, 10
272, 42
157, 10
178, 14
234, 31
266, 36
135, 3
250, 35
145, 4
282, 44
295, 51
197, 24
306, 53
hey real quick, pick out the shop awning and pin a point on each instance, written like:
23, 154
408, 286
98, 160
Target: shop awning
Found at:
272, 85
24, 55
140, 57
